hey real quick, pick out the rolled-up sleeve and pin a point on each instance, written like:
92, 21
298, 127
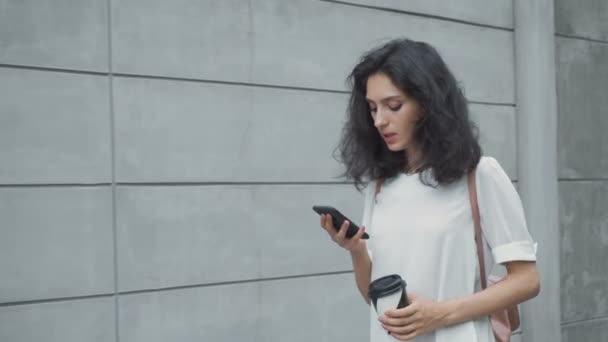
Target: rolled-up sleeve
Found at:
502, 216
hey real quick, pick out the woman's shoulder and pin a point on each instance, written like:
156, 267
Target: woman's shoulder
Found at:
489, 165
489, 170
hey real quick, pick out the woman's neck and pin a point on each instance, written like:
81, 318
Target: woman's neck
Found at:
414, 160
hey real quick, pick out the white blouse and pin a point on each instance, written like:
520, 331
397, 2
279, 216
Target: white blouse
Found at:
426, 235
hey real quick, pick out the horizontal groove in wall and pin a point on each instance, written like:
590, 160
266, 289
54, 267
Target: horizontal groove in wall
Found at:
582, 179
570, 36
56, 300
236, 183
492, 103
70, 185
51, 69
205, 81
235, 282
55, 185
231, 183
170, 78
584, 321
232, 83
422, 15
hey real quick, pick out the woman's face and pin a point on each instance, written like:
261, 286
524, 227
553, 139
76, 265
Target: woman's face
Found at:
394, 113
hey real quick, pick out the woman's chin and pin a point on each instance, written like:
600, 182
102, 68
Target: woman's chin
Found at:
395, 147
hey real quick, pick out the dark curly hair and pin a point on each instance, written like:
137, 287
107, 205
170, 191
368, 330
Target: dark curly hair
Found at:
448, 139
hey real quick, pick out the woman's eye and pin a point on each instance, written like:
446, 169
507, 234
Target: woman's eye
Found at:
395, 108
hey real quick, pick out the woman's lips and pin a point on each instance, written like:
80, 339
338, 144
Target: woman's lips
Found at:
390, 138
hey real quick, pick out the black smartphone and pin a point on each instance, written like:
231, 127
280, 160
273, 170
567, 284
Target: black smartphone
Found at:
338, 218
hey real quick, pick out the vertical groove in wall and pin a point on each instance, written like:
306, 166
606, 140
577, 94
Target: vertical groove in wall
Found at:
113, 171
516, 129
251, 36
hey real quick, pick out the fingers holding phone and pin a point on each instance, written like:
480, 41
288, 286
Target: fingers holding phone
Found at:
339, 236
327, 222
351, 244
337, 219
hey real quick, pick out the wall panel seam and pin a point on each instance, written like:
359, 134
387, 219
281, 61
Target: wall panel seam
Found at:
51, 69
200, 183
584, 321
174, 288
570, 36
591, 179
209, 81
113, 171
55, 300
55, 185
422, 15
236, 282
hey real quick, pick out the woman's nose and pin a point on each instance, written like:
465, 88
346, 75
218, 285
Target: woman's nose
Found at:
379, 120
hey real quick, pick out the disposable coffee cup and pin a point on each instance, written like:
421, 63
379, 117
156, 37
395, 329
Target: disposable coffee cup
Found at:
388, 292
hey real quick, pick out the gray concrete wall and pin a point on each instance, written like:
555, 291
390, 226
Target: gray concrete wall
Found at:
160, 158
582, 84
537, 158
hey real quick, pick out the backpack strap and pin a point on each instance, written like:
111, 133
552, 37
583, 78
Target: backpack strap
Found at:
476, 221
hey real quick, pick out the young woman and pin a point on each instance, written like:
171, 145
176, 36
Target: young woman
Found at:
408, 127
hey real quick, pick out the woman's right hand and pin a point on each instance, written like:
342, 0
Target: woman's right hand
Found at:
353, 245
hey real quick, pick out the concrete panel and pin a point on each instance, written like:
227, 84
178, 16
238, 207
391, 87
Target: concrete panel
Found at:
201, 39
178, 235
224, 133
322, 309
295, 43
55, 242
585, 18
54, 127
495, 13
90, 320
582, 77
60, 33
584, 249
265, 134
594, 331
497, 134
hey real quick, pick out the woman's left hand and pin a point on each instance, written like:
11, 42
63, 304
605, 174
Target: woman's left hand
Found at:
420, 317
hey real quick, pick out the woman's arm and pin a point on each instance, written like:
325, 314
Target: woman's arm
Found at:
358, 251
424, 315
521, 283
363, 268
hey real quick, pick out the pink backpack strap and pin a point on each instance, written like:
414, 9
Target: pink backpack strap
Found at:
477, 223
